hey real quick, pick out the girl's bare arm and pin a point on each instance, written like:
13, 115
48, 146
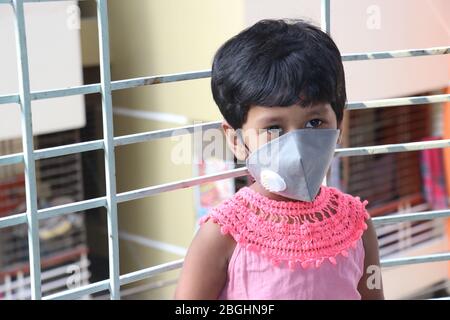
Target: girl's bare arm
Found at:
371, 285
205, 267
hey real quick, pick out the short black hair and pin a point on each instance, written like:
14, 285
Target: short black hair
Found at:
277, 63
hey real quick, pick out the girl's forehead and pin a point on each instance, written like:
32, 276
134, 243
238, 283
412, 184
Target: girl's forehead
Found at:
258, 113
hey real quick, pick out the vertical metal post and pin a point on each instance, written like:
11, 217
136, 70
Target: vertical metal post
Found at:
325, 26
325, 16
108, 137
27, 142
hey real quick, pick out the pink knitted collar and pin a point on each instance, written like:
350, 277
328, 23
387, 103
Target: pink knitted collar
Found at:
294, 232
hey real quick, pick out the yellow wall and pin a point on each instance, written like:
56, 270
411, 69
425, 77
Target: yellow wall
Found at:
151, 38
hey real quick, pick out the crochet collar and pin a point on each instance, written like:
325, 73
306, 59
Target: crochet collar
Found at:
294, 232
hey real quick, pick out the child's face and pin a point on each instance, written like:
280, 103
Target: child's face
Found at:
266, 123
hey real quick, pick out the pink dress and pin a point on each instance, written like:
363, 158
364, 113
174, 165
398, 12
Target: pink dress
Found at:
293, 249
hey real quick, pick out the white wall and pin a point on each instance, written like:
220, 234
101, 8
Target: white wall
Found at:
54, 61
403, 24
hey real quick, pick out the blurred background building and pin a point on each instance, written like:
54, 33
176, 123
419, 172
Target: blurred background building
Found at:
173, 36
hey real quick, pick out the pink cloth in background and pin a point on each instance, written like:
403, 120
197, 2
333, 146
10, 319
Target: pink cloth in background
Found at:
432, 168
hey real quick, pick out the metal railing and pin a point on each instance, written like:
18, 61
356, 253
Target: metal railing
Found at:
109, 142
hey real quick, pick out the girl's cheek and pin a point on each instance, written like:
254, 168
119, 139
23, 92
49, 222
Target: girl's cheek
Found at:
263, 139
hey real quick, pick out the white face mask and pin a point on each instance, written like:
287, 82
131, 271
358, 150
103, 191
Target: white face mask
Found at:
295, 164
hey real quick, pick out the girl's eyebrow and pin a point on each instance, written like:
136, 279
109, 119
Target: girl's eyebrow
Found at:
315, 112
314, 109
268, 119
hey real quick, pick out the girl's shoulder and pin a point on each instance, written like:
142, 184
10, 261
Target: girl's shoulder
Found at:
227, 211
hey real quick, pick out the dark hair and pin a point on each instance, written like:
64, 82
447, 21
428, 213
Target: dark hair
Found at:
277, 63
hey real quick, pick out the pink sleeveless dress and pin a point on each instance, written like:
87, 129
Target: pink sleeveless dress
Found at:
293, 250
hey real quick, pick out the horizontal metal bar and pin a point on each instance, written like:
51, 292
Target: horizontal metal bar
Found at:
54, 152
148, 287
11, 159
150, 272
121, 84
406, 101
396, 54
55, 93
77, 293
150, 80
13, 220
64, 92
11, 98
124, 279
54, 211
71, 207
115, 85
417, 259
426, 215
165, 133
68, 149
201, 74
392, 148
149, 191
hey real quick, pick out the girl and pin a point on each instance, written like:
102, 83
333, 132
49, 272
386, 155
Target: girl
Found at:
280, 87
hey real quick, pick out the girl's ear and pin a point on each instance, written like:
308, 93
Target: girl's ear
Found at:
233, 142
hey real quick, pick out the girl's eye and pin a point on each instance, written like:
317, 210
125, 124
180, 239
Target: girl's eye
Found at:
314, 123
